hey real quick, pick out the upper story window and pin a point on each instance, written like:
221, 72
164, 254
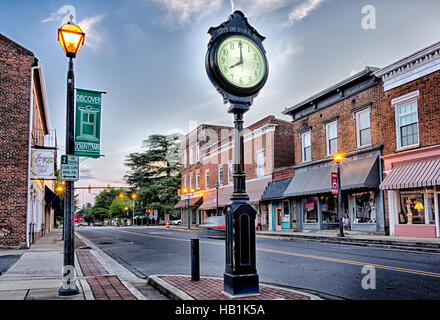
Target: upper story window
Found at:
407, 124
185, 182
331, 133
220, 175
363, 129
191, 181
191, 159
185, 158
306, 146
229, 171
260, 163
198, 180
197, 153
207, 179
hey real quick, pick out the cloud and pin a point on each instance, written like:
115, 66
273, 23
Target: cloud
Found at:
281, 54
302, 11
94, 37
261, 7
183, 11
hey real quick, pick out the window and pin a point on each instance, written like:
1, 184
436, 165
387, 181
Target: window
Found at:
197, 153
306, 146
191, 156
331, 133
229, 171
185, 182
185, 158
407, 124
363, 128
190, 181
329, 209
207, 179
310, 210
412, 208
220, 175
364, 208
260, 163
198, 180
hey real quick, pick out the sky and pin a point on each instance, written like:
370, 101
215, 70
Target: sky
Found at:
148, 55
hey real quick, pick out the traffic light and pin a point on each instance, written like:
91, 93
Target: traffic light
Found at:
134, 196
121, 195
90, 189
108, 188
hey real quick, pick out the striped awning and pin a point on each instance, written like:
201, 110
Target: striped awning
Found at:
413, 175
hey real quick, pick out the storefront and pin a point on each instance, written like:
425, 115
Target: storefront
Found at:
316, 206
189, 210
209, 206
282, 217
413, 192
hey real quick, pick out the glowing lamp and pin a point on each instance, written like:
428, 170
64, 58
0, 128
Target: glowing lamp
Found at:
338, 157
71, 39
419, 206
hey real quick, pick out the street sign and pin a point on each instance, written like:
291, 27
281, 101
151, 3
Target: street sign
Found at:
69, 168
334, 183
87, 123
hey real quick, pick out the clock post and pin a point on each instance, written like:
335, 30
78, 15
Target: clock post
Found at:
238, 73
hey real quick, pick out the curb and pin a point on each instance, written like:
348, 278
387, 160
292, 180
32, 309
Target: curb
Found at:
177, 294
385, 244
104, 259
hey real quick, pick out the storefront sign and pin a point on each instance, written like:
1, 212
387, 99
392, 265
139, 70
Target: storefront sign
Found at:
43, 164
334, 183
87, 123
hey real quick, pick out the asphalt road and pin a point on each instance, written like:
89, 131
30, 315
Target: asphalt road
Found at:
6, 261
330, 270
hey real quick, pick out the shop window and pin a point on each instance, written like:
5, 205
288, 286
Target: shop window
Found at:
430, 210
364, 208
329, 209
412, 209
310, 210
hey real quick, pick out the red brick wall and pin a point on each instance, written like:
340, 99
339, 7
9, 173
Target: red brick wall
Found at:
428, 111
15, 84
347, 141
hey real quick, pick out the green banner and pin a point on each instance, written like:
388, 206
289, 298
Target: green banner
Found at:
87, 123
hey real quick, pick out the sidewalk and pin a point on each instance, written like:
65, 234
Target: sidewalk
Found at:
180, 287
37, 274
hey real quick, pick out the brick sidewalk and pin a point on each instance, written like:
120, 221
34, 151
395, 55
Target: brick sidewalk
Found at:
210, 289
103, 285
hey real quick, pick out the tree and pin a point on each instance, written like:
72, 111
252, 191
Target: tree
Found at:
118, 206
155, 173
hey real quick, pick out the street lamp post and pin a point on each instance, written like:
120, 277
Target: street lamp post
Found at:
338, 158
133, 197
71, 39
217, 185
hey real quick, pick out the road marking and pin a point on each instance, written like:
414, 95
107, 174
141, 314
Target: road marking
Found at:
309, 256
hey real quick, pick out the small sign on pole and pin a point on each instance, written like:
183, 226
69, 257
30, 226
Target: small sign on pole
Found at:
69, 167
334, 183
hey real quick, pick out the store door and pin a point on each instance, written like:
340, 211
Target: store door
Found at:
278, 218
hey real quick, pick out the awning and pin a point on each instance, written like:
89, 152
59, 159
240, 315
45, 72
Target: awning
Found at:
355, 174
193, 202
275, 190
51, 198
210, 200
254, 189
413, 175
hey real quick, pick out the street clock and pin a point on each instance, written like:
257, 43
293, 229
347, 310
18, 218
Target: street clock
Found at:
236, 61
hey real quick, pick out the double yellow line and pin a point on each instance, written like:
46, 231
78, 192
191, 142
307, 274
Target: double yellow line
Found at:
309, 256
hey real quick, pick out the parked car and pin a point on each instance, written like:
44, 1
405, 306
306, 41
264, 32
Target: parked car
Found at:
215, 227
176, 222
97, 223
80, 224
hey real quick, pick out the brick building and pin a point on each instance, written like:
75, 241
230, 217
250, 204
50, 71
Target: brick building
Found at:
343, 118
207, 161
24, 212
411, 154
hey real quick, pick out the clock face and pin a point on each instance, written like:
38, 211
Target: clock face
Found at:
241, 62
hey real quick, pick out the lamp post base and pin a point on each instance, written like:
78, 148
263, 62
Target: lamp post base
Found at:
239, 286
68, 291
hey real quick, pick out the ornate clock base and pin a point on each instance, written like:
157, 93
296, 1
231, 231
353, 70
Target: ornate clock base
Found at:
240, 286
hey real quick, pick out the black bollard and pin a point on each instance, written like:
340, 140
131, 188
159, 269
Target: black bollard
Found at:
195, 261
